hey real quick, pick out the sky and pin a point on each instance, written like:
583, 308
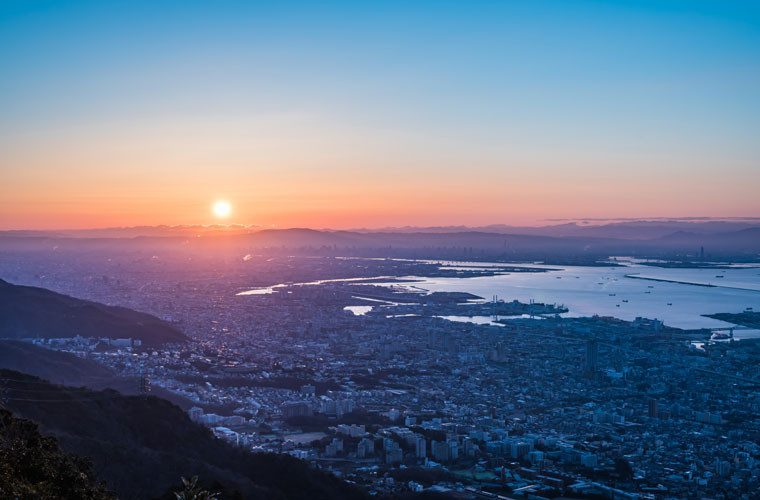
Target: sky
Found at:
345, 114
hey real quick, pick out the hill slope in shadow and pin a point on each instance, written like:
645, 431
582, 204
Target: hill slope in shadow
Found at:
141, 446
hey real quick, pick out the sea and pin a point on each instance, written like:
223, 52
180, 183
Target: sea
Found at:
679, 297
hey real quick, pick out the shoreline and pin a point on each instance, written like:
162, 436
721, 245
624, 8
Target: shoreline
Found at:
679, 282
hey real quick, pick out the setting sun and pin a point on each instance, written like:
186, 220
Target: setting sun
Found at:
222, 209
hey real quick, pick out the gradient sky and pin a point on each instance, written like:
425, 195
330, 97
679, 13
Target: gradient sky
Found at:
366, 114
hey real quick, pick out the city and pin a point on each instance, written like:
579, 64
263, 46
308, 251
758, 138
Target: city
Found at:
372, 383
397, 250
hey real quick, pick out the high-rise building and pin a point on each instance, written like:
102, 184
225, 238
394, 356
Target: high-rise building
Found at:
420, 446
592, 357
453, 449
440, 451
653, 408
365, 448
295, 409
519, 449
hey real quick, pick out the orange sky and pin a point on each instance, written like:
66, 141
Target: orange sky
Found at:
290, 176
318, 117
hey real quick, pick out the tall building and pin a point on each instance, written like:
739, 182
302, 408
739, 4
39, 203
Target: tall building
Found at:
440, 451
365, 448
453, 449
519, 449
295, 409
653, 408
420, 447
592, 357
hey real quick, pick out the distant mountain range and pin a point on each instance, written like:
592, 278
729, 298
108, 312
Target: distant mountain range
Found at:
623, 229
30, 312
721, 239
637, 229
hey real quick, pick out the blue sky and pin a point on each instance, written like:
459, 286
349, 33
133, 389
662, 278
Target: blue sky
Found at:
368, 89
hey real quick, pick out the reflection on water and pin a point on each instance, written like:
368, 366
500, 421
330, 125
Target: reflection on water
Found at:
478, 320
358, 310
607, 291
270, 289
676, 298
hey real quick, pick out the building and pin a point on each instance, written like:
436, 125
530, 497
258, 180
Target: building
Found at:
195, 413
352, 430
334, 448
592, 358
520, 449
420, 446
453, 449
292, 409
393, 453
653, 408
440, 451
365, 448
589, 460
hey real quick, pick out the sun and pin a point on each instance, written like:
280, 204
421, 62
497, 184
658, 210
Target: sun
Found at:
222, 209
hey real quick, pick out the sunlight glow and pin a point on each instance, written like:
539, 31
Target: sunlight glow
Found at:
222, 209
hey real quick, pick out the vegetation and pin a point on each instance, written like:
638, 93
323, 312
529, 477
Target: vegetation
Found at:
140, 445
193, 491
34, 467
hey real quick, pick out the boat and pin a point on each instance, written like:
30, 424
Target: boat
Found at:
718, 275
612, 295
647, 291
625, 300
670, 303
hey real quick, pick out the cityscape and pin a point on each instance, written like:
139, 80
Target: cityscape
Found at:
404, 251
366, 375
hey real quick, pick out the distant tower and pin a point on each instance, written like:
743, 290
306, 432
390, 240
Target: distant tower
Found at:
702, 253
592, 357
653, 408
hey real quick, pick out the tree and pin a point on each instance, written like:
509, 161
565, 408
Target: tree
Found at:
193, 491
34, 467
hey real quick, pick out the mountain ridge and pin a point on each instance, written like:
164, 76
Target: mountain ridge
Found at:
33, 312
141, 446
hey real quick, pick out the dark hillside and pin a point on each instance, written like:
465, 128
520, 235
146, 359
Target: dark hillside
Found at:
67, 369
31, 312
140, 447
